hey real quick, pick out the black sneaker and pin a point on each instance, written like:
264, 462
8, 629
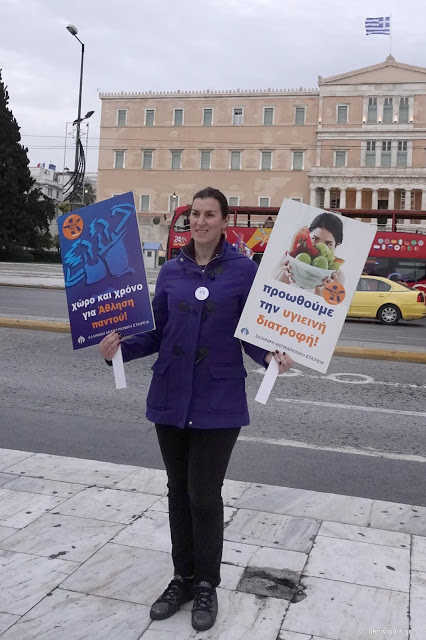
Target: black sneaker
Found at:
177, 593
204, 611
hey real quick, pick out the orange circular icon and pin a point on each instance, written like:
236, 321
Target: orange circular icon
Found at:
72, 227
334, 293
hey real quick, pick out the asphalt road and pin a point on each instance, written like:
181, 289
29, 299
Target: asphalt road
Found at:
51, 304
359, 430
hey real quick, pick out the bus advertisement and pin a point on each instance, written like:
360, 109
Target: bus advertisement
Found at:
394, 254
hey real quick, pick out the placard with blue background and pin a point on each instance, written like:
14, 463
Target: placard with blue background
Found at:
105, 279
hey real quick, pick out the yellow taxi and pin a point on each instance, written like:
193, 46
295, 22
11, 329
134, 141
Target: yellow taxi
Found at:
386, 300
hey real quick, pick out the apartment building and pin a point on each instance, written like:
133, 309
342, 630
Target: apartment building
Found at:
356, 142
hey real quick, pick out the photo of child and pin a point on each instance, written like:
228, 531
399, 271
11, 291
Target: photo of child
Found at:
310, 263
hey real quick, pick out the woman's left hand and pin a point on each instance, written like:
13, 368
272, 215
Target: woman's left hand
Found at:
284, 361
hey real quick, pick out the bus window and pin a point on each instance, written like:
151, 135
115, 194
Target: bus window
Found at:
411, 271
182, 223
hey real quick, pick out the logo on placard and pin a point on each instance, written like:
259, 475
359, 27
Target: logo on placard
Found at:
334, 293
72, 227
245, 331
81, 340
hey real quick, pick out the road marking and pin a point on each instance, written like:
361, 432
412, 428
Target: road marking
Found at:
418, 414
334, 377
360, 378
15, 308
359, 452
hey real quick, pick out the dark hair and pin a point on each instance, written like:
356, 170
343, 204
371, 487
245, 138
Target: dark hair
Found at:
211, 192
328, 221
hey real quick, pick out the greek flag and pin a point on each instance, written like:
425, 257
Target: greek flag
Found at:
379, 26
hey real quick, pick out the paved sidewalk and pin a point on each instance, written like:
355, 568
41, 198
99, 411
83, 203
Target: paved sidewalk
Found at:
46, 276
85, 550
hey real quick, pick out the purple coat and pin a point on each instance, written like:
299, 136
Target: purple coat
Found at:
199, 377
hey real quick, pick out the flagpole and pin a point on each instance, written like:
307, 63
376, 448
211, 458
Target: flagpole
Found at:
390, 34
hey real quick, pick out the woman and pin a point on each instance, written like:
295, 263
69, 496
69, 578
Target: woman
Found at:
325, 228
197, 396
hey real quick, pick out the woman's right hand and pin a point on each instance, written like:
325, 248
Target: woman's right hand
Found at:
109, 345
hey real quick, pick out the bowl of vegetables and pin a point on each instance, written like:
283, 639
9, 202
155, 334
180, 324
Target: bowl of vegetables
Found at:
310, 264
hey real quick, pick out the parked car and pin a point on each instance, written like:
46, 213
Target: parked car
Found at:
386, 300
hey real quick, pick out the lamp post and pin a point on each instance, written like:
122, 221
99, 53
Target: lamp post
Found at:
174, 198
77, 179
73, 31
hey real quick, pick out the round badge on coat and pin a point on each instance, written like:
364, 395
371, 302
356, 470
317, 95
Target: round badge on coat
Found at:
202, 293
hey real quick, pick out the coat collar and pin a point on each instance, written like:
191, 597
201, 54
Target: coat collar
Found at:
189, 250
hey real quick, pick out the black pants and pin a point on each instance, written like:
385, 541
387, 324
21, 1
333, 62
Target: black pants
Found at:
196, 461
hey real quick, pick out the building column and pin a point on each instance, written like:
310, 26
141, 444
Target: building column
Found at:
313, 201
423, 205
358, 199
375, 199
327, 198
342, 199
391, 199
407, 200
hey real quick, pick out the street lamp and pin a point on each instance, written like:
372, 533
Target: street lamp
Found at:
76, 182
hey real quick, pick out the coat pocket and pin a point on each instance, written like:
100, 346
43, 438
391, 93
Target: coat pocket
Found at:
158, 390
228, 389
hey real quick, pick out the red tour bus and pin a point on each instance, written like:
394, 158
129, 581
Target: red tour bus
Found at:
395, 253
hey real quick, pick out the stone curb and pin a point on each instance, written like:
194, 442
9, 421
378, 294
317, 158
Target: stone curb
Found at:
35, 325
33, 286
380, 354
347, 352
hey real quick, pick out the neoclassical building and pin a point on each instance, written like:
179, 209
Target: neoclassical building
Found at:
358, 141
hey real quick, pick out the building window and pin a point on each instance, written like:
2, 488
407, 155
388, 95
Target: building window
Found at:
372, 110
403, 110
388, 111
342, 113
299, 115
57, 194
297, 163
234, 201
401, 156
370, 155
145, 203
178, 117
268, 115
340, 158
236, 160
386, 159
119, 158
207, 117
266, 161
176, 159
149, 117
264, 201
205, 159
237, 117
49, 192
173, 202
121, 117
147, 159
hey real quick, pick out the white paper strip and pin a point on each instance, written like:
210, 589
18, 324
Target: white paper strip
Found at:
267, 382
118, 366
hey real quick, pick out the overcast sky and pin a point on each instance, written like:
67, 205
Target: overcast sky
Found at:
141, 45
